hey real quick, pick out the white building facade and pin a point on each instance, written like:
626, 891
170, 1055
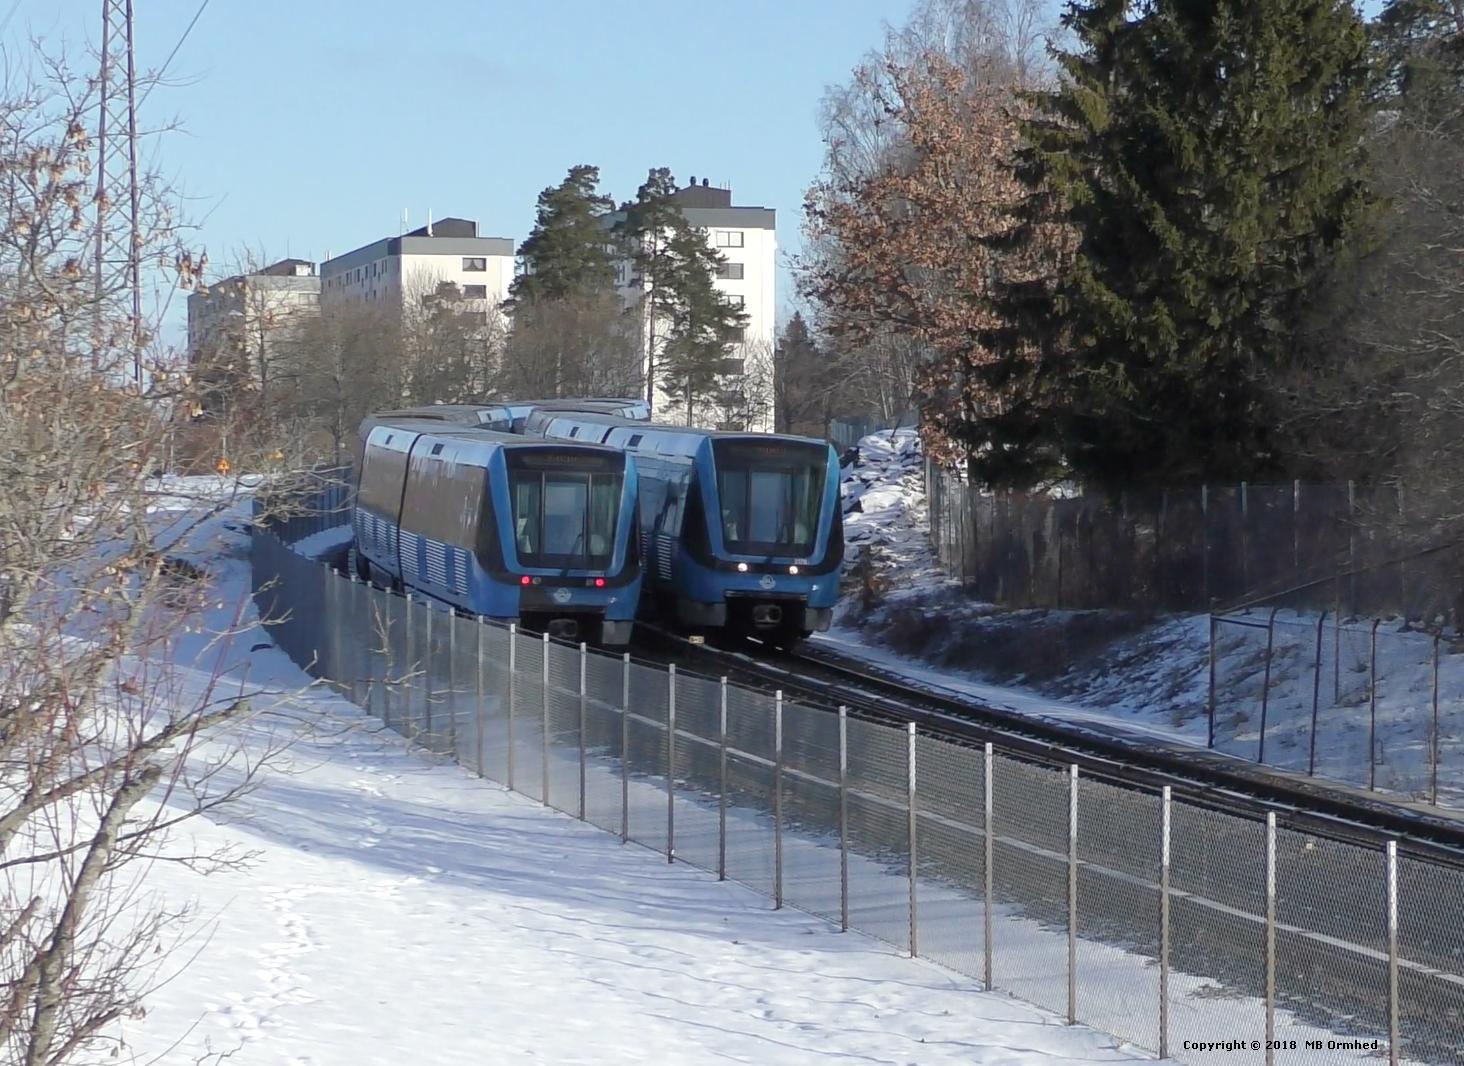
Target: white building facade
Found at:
397, 273
746, 239
251, 312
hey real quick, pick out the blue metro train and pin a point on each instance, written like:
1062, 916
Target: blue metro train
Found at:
500, 525
742, 533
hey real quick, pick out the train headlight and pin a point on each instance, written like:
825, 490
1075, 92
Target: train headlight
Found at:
742, 568
793, 570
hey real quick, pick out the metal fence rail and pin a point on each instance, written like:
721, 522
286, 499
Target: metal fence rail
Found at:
1171, 926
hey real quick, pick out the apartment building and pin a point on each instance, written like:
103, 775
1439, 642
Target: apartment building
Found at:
250, 312
398, 272
746, 238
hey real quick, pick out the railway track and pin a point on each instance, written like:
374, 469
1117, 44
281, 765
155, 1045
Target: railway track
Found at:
1132, 760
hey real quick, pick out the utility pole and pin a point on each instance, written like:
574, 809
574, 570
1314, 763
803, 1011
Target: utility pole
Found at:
117, 257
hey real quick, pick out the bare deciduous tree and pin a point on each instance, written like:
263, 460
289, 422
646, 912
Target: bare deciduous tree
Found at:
107, 701
579, 345
917, 181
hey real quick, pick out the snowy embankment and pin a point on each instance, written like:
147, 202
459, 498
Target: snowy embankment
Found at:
396, 907
1147, 674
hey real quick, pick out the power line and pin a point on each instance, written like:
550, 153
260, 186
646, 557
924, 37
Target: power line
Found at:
164, 68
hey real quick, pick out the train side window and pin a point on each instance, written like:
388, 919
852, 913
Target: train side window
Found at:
436, 449
634, 440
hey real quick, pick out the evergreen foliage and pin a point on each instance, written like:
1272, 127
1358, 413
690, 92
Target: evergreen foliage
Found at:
567, 253
690, 328
1207, 153
1419, 49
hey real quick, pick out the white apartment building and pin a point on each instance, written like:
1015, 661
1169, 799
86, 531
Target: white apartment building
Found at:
397, 272
250, 312
746, 238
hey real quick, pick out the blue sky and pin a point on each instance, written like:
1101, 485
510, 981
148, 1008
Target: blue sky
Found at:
308, 126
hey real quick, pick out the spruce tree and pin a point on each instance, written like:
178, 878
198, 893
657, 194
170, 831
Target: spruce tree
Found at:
796, 370
566, 253
1207, 154
690, 328
1419, 47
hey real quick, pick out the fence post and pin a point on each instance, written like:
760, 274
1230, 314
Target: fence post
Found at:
1210, 702
778, 800
1166, 812
353, 683
1266, 683
914, 839
334, 618
1270, 937
1372, 708
671, 763
1393, 1047
386, 682
479, 715
1072, 896
1311, 760
427, 673
452, 680
625, 749
1205, 543
512, 694
352, 691
583, 716
843, 819
990, 759
722, 783
409, 669
1296, 532
1244, 538
1434, 754
544, 730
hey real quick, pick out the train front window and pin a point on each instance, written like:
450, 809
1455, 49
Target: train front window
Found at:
770, 499
564, 519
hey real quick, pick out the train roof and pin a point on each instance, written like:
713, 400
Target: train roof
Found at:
485, 439
668, 440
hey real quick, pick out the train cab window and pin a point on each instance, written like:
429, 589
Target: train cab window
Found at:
566, 518
770, 498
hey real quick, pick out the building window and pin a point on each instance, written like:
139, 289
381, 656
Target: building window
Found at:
738, 335
729, 238
472, 262
729, 271
735, 301
475, 292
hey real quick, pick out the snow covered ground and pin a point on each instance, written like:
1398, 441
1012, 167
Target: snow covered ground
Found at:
1149, 675
396, 907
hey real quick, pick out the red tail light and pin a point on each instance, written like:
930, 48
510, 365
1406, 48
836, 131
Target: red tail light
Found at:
524, 580
599, 582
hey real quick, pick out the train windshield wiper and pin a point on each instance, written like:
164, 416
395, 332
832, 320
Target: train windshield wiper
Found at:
575, 553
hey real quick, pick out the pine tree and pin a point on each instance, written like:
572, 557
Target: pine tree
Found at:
1208, 155
567, 252
1419, 46
798, 387
690, 328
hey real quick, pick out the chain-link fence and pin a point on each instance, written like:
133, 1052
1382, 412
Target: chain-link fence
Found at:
1371, 703
1184, 930
1194, 548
